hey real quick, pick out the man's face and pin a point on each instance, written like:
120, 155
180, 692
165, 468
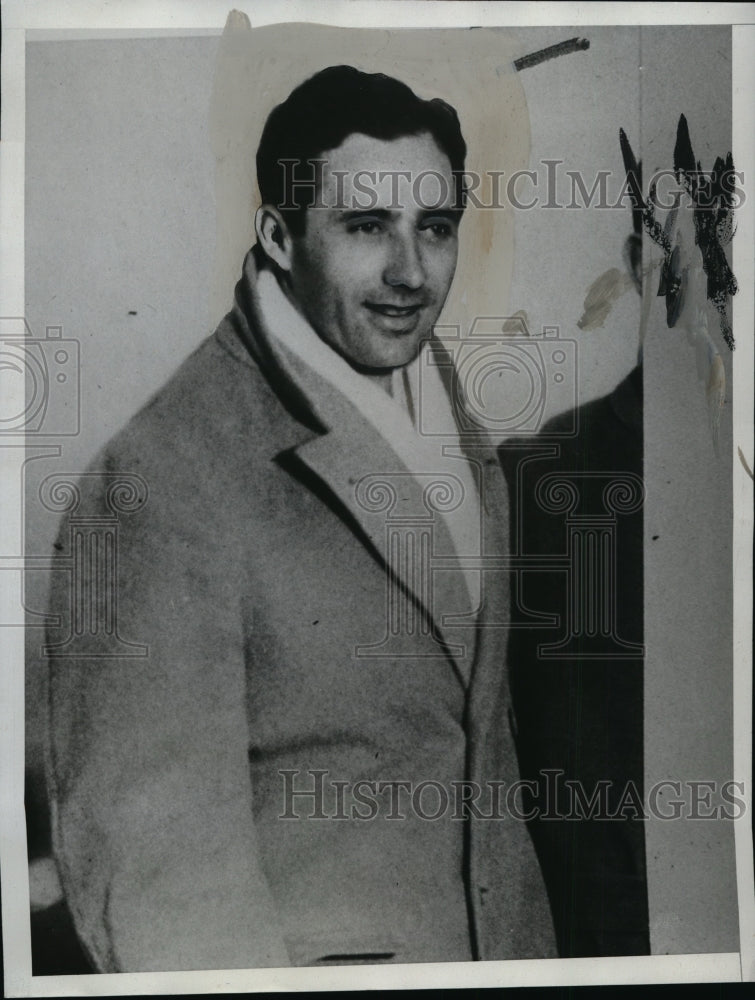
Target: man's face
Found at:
372, 280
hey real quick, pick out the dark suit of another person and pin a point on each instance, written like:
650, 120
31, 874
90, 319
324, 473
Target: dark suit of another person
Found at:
583, 717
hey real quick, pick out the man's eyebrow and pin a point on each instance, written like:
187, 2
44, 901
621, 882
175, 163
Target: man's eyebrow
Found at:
451, 214
382, 214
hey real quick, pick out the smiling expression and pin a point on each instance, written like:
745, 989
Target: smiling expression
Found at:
372, 271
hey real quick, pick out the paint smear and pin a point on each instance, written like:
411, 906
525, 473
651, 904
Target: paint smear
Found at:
601, 296
517, 323
710, 371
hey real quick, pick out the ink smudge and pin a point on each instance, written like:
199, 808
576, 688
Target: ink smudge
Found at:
714, 221
711, 222
712, 198
543, 55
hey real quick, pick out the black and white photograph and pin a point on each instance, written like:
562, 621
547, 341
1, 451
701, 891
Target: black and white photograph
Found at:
376, 426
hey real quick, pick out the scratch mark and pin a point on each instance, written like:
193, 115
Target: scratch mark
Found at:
552, 52
743, 460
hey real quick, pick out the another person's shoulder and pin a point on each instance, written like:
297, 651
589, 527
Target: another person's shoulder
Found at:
590, 435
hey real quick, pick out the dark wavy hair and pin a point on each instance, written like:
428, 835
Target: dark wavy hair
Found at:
320, 113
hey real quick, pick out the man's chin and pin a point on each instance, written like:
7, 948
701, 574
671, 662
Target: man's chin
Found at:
399, 356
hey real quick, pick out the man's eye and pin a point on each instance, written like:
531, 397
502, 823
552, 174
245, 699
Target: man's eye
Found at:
439, 228
366, 226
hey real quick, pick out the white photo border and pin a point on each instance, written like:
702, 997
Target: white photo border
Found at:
89, 18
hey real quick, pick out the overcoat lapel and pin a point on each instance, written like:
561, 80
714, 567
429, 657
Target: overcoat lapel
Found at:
489, 672
390, 504
490, 675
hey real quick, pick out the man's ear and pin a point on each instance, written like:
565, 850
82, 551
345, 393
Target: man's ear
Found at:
273, 236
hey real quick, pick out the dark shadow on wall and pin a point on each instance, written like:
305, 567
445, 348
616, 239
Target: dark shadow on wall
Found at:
577, 674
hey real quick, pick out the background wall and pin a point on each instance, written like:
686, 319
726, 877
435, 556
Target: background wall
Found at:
121, 251
688, 529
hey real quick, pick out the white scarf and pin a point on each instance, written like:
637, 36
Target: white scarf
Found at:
421, 452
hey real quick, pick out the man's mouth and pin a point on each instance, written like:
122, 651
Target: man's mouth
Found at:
394, 311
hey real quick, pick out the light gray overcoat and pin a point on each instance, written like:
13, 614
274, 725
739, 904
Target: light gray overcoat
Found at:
252, 575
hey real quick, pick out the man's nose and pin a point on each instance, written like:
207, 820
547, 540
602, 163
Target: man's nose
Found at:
405, 266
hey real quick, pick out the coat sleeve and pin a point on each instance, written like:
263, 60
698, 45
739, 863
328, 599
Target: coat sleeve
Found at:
148, 754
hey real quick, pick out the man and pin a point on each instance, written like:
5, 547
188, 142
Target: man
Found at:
315, 647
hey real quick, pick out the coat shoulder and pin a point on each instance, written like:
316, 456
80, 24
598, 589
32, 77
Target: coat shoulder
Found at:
200, 448
211, 396
215, 412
